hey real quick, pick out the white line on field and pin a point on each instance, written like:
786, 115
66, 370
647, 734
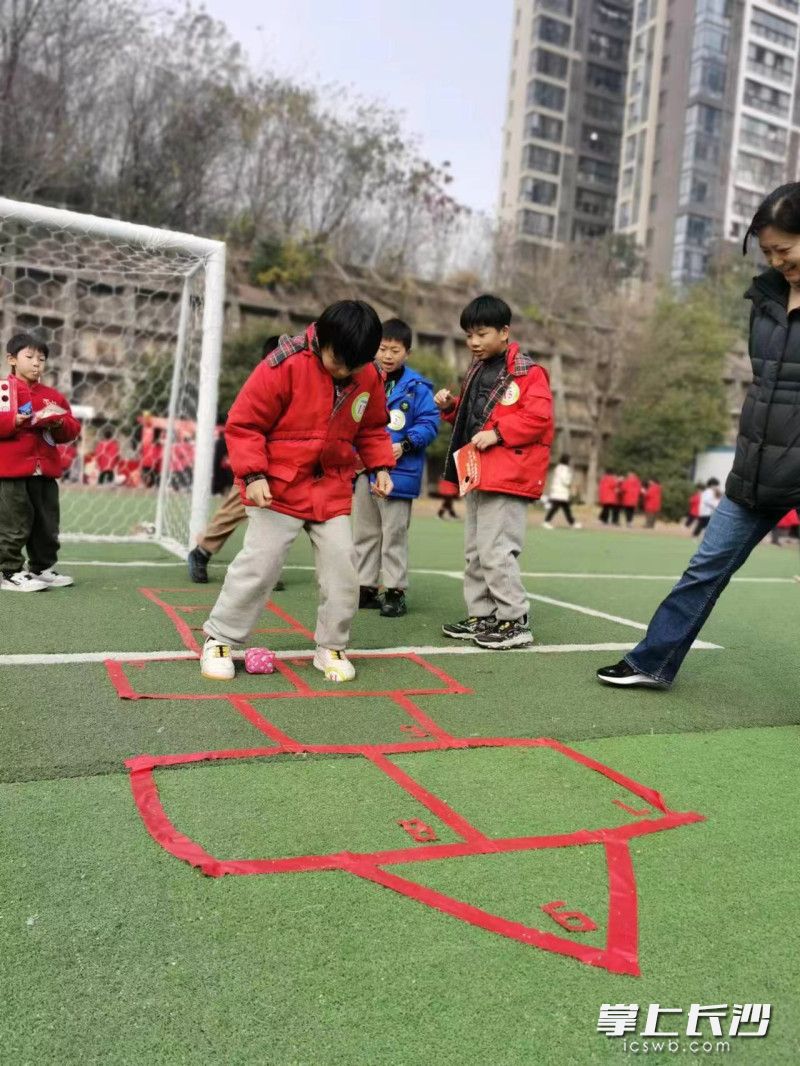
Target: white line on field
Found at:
457, 574
70, 658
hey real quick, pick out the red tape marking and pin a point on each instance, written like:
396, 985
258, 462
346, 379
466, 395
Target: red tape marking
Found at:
572, 921
418, 830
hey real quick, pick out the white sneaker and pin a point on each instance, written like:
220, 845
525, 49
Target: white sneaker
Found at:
577, 525
22, 581
334, 664
546, 525
53, 579
215, 661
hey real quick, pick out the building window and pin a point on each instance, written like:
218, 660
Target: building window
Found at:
764, 98
587, 231
604, 46
772, 28
544, 159
613, 16
775, 65
536, 223
589, 202
596, 170
544, 127
545, 94
597, 107
600, 141
552, 64
560, 7
763, 135
746, 202
552, 31
538, 191
604, 78
754, 170
708, 76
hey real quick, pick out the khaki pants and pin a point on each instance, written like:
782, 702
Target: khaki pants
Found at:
230, 514
253, 573
380, 536
494, 533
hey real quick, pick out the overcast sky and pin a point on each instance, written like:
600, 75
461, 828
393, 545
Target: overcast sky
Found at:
442, 63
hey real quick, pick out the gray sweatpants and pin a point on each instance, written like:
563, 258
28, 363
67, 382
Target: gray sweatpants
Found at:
494, 533
253, 573
380, 535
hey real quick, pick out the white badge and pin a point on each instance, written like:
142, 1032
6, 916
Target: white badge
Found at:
511, 395
397, 419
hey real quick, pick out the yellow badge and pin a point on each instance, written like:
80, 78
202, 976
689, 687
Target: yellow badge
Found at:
511, 395
359, 406
397, 420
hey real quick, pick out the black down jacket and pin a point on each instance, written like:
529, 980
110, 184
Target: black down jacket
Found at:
766, 468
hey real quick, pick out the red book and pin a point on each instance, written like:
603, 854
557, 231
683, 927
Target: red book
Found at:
468, 468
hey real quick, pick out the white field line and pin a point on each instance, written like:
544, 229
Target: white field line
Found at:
457, 574
69, 658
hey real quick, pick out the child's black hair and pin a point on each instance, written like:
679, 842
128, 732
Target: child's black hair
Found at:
26, 340
270, 344
564, 459
395, 329
486, 310
780, 209
712, 482
353, 329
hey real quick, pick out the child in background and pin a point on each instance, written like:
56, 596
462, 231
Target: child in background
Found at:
380, 526
561, 494
292, 435
106, 456
709, 502
505, 410
30, 466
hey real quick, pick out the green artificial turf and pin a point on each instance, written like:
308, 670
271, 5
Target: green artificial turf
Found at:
115, 952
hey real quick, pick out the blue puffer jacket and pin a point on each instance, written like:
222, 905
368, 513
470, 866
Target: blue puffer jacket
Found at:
413, 416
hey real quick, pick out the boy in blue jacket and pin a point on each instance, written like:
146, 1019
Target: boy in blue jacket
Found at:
380, 527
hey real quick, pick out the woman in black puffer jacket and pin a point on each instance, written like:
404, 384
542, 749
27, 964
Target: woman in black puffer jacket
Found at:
765, 481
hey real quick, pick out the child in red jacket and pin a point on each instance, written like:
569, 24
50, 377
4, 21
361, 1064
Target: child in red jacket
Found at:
34, 420
292, 435
505, 410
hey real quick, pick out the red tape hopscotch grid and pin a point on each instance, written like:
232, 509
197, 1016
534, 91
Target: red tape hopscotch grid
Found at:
620, 954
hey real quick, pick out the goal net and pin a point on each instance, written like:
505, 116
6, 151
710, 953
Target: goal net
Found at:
133, 318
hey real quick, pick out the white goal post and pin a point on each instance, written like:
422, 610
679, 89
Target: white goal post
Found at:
134, 319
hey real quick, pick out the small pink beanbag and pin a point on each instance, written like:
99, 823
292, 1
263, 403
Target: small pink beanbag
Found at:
259, 661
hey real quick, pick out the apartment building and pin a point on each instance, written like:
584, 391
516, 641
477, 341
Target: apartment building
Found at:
562, 134
712, 124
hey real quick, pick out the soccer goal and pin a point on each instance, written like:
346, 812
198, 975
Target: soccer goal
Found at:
133, 317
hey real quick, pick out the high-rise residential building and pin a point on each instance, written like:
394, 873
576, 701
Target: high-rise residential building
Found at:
565, 115
712, 124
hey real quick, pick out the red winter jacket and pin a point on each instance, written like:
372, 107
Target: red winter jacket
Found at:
631, 489
287, 424
607, 490
27, 450
651, 500
522, 410
106, 454
694, 504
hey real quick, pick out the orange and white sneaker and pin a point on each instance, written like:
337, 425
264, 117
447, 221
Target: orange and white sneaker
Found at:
215, 661
334, 664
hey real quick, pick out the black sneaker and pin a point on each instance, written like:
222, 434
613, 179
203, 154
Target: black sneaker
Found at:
513, 633
471, 626
623, 673
368, 598
394, 603
197, 561
279, 586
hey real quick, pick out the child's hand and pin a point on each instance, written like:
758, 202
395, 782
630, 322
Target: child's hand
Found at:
397, 450
258, 493
383, 484
20, 420
487, 438
444, 399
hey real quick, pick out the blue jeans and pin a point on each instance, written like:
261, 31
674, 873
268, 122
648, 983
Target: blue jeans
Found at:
731, 535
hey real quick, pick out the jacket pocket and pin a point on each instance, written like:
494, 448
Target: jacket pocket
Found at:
282, 471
